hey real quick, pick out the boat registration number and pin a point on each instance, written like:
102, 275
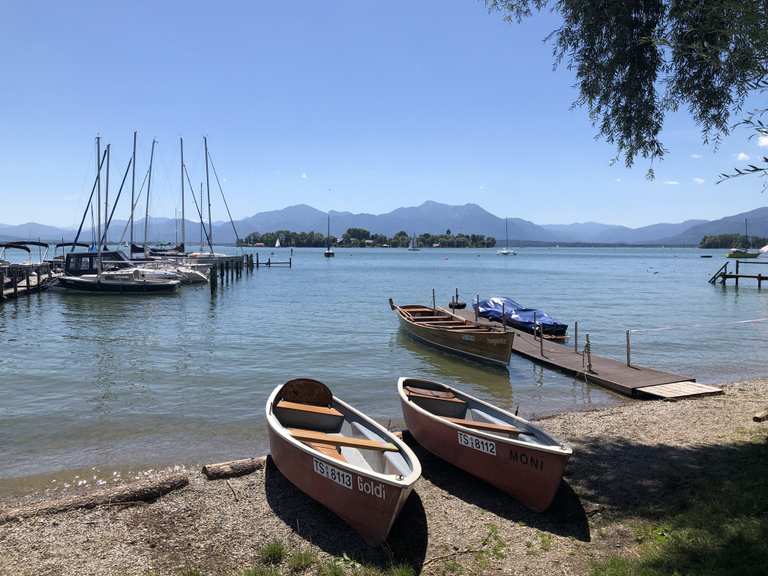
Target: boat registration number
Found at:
332, 473
480, 444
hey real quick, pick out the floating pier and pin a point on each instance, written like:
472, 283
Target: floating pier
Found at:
622, 377
24, 279
724, 274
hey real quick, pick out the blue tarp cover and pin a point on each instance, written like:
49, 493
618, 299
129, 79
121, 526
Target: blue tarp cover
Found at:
517, 315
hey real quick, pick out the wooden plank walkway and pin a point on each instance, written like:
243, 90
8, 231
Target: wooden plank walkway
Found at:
634, 381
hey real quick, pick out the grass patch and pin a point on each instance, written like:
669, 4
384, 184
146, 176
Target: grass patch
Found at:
546, 541
301, 560
273, 553
401, 570
720, 529
331, 568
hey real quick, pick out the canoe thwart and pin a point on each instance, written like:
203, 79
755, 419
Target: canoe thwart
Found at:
338, 440
311, 408
453, 400
328, 450
487, 426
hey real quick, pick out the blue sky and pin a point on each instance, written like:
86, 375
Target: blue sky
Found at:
384, 103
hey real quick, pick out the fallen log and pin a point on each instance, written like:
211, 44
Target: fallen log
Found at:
141, 491
233, 468
760, 416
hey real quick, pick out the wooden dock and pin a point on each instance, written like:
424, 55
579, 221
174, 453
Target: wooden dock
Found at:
630, 380
724, 274
22, 280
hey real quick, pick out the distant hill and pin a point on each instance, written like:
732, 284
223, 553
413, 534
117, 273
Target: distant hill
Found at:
757, 219
429, 217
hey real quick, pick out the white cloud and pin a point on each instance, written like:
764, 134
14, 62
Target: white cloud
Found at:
762, 140
304, 176
697, 156
699, 180
671, 182
618, 179
742, 156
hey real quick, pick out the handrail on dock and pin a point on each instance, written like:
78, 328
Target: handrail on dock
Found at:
723, 270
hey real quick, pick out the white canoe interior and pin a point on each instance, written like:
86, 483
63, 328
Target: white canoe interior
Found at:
341, 434
463, 410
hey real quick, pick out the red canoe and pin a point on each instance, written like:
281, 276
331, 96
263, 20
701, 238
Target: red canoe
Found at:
338, 456
489, 443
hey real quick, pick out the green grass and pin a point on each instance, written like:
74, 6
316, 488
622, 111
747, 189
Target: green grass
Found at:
301, 560
331, 568
401, 570
720, 529
273, 553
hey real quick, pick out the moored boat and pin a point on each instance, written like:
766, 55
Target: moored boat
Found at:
492, 444
338, 456
445, 330
511, 313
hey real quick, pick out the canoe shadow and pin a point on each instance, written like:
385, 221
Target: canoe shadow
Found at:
565, 516
406, 544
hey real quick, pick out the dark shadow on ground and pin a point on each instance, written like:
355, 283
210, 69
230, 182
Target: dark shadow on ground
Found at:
407, 542
565, 517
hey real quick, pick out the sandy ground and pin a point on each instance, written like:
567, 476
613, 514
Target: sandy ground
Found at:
630, 461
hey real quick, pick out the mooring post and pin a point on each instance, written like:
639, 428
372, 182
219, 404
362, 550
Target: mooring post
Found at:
588, 352
290, 261
2, 286
576, 336
434, 304
257, 259
737, 274
541, 342
759, 281
477, 306
503, 318
629, 350
212, 279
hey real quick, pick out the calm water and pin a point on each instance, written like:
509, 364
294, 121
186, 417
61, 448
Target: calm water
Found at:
120, 382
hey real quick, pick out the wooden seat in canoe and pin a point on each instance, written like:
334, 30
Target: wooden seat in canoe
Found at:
429, 395
430, 392
487, 426
310, 408
328, 450
339, 440
430, 318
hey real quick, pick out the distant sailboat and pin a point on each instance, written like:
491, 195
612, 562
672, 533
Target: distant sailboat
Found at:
277, 243
329, 253
746, 253
412, 246
506, 251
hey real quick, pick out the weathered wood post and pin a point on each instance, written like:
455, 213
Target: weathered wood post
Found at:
434, 304
576, 336
737, 274
221, 270
588, 352
759, 281
2, 286
503, 318
213, 279
257, 259
534, 324
629, 350
290, 260
541, 342
477, 306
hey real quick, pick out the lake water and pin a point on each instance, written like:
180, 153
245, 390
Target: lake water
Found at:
123, 382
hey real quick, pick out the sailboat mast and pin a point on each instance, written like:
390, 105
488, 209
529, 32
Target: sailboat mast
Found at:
506, 233
208, 189
146, 212
106, 197
133, 186
98, 189
328, 236
201, 218
183, 229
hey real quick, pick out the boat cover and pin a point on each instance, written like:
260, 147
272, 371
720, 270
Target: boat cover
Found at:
519, 316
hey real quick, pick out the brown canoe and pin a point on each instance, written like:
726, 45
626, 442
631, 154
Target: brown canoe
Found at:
503, 449
445, 330
338, 456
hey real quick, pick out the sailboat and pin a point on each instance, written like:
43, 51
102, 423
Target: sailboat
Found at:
506, 251
412, 246
329, 253
743, 253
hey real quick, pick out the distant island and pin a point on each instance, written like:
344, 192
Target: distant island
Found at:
362, 238
732, 241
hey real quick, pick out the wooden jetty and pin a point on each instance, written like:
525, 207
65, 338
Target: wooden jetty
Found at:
25, 279
622, 377
724, 274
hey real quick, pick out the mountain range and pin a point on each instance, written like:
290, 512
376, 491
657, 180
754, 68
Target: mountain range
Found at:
429, 217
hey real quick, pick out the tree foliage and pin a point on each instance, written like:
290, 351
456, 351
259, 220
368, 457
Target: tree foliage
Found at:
732, 241
638, 60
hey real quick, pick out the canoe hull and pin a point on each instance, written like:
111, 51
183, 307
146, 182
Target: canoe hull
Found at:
366, 504
491, 347
529, 475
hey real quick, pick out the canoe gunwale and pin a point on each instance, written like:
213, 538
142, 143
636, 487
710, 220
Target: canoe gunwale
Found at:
560, 448
405, 483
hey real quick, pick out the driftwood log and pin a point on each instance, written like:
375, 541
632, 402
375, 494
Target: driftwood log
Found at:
141, 491
233, 468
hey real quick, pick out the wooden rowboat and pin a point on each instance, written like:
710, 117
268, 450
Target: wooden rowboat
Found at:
489, 443
445, 330
338, 456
